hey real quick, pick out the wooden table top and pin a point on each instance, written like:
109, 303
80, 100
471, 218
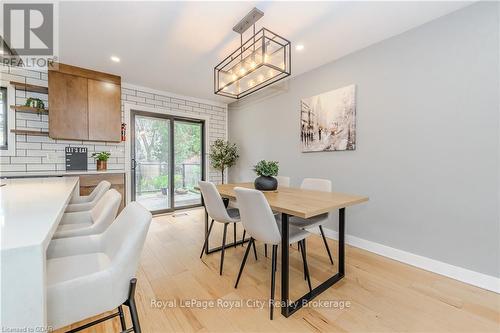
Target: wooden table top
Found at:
299, 202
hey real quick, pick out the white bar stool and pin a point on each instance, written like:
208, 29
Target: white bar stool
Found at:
90, 222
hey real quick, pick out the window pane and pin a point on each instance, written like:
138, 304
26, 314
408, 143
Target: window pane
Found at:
188, 159
3, 118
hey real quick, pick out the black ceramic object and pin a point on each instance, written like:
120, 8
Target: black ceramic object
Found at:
264, 183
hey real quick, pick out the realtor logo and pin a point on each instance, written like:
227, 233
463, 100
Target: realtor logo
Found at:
29, 28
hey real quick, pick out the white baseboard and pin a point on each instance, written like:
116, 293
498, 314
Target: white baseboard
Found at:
480, 280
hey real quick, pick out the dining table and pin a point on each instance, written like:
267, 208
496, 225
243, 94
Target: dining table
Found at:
290, 201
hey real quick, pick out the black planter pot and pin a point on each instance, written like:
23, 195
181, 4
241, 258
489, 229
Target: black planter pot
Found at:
264, 183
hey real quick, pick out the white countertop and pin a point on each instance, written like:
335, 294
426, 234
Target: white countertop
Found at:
30, 209
57, 173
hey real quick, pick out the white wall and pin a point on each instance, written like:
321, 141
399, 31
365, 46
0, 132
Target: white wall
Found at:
428, 138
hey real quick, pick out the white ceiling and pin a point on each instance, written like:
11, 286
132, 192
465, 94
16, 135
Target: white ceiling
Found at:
173, 46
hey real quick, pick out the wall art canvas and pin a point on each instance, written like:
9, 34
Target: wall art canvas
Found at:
328, 121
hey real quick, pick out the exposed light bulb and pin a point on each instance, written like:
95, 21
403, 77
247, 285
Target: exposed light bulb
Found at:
242, 71
251, 83
253, 64
234, 77
266, 58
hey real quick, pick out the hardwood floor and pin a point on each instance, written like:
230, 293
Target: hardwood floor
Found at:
378, 294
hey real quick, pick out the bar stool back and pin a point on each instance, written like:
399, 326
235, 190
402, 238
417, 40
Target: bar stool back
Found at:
81, 203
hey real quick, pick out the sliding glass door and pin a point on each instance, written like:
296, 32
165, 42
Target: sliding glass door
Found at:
188, 162
167, 161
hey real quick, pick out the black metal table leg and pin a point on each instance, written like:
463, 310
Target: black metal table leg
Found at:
206, 222
284, 264
296, 305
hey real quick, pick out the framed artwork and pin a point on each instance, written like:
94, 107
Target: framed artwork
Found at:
328, 121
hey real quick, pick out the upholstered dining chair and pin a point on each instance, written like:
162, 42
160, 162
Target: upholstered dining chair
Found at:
81, 203
219, 213
259, 221
90, 275
283, 181
315, 184
90, 222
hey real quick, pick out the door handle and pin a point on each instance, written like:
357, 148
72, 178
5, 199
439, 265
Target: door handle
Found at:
133, 164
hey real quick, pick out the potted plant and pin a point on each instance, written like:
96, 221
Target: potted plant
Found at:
266, 170
102, 160
223, 155
35, 103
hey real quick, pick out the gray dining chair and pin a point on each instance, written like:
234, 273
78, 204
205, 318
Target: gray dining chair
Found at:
259, 221
218, 212
315, 184
283, 181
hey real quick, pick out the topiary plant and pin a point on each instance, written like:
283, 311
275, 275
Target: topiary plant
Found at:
223, 155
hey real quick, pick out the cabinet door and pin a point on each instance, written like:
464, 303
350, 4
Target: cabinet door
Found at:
117, 180
68, 117
104, 111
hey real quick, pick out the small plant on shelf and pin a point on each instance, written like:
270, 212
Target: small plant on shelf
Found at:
35, 103
101, 159
266, 170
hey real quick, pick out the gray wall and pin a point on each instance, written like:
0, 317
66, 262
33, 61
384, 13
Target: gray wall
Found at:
428, 138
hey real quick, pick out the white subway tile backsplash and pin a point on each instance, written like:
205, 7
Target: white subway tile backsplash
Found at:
162, 98
53, 146
33, 138
136, 99
40, 167
144, 94
12, 167
25, 160
28, 145
24, 72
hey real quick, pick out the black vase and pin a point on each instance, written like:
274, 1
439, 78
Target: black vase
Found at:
263, 183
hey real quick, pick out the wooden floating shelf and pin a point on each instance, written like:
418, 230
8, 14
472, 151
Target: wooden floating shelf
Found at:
22, 108
30, 87
36, 133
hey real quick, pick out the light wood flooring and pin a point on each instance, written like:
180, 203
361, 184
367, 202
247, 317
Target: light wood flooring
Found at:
383, 295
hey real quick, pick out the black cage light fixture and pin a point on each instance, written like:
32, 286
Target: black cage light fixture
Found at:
263, 59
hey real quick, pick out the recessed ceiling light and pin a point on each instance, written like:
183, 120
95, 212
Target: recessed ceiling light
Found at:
115, 59
299, 47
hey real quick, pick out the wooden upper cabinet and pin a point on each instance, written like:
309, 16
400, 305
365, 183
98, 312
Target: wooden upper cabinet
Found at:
68, 99
104, 111
84, 104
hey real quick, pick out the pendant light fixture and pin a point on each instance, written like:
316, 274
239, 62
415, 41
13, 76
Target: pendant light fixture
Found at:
263, 59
